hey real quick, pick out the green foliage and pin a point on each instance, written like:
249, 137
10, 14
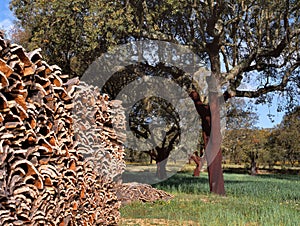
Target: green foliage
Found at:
261, 200
240, 115
258, 42
279, 145
72, 33
246, 145
155, 121
283, 142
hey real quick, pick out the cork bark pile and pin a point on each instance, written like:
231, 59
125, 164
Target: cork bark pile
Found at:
60, 145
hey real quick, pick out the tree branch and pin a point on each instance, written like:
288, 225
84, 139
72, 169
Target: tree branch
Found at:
270, 88
240, 68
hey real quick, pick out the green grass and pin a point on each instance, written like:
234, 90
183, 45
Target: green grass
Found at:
260, 200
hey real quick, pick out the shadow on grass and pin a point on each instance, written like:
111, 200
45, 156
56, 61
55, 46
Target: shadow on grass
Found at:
280, 172
179, 182
289, 174
275, 187
236, 170
291, 177
183, 182
267, 186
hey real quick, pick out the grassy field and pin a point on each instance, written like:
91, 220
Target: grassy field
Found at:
260, 200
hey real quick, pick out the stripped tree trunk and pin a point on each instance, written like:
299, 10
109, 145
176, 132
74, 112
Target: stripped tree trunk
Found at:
214, 156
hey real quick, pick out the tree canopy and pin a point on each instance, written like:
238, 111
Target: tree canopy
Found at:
284, 140
266, 147
256, 41
72, 33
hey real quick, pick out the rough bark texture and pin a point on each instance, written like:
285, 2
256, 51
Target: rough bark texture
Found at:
46, 176
133, 192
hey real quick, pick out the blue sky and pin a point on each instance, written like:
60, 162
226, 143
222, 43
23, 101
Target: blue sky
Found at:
6, 17
264, 110
6, 20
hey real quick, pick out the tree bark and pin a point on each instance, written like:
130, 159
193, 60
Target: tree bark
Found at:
215, 175
213, 151
214, 158
161, 171
162, 153
253, 169
197, 159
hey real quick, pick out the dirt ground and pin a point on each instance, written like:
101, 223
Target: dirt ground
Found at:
152, 222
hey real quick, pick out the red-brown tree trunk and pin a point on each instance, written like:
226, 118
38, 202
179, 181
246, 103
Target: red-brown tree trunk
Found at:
215, 175
213, 151
214, 158
196, 158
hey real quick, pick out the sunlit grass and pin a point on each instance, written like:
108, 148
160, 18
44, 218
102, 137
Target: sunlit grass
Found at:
259, 200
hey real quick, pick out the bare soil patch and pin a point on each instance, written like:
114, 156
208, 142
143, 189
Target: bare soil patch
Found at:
151, 222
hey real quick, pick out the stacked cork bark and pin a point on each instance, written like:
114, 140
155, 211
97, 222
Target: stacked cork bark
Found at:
99, 126
136, 192
59, 154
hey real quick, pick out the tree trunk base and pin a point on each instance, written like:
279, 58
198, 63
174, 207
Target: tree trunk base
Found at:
161, 171
215, 174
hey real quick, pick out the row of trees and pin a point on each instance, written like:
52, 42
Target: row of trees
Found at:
244, 43
256, 147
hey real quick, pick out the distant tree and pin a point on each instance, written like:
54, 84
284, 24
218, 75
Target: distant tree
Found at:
243, 141
284, 140
18, 35
274, 153
156, 121
238, 116
247, 146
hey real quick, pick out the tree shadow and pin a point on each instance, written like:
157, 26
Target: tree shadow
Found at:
260, 186
291, 177
183, 182
236, 170
267, 173
176, 181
